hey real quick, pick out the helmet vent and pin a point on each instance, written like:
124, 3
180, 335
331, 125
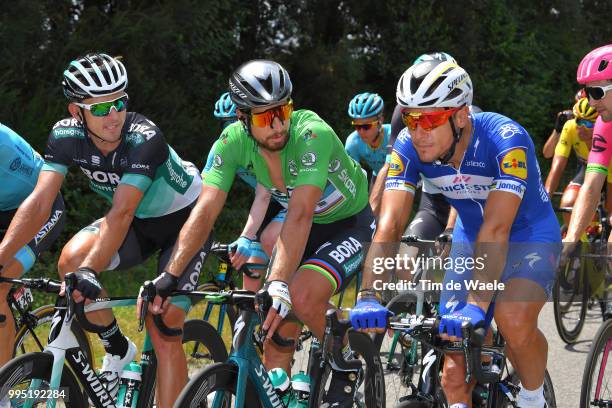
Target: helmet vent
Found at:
433, 87
603, 64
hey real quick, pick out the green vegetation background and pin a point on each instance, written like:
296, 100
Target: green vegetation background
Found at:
522, 57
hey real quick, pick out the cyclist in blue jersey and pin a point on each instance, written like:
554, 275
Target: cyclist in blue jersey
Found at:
485, 166
367, 144
19, 169
152, 192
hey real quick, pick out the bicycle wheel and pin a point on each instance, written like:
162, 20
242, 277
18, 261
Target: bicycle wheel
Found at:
401, 355
502, 401
570, 299
18, 374
27, 341
595, 390
202, 390
202, 345
371, 391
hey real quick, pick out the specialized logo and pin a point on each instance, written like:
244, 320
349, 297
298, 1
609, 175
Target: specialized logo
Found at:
457, 81
508, 130
334, 165
514, 163
293, 168
533, 258
309, 159
396, 167
217, 161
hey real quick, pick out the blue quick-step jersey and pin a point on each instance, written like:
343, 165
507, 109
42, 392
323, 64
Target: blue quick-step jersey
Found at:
19, 168
362, 153
500, 157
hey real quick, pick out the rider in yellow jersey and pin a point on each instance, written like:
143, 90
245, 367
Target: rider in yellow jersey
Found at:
576, 135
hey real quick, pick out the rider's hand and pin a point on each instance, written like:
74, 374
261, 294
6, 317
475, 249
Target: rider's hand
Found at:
566, 253
443, 243
562, 117
165, 284
87, 284
369, 315
451, 322
241, 251
281, 305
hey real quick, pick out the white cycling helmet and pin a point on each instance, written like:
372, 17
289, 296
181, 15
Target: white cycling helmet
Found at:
94, 75
434, 84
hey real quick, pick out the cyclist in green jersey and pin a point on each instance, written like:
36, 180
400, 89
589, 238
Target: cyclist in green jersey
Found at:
301, 161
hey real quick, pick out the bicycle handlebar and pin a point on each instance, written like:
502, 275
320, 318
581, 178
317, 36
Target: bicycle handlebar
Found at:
223, 252
426, 329
42, 284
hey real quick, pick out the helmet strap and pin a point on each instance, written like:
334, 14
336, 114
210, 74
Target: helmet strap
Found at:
93, 134
444, 159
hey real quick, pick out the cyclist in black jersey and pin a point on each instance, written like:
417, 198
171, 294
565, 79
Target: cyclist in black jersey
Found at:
151, 191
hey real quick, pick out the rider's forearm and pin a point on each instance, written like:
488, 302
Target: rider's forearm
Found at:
113, 229
490, 254
384, 246
196, 229
551, 143
257, 212
27, 221
452, 218
377, 189
290, 246
585, 205
557, 168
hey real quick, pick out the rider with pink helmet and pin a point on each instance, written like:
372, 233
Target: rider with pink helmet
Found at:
595, 72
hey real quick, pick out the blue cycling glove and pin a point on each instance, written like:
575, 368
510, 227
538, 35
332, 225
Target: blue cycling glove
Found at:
242, 246
451, 322
368, 313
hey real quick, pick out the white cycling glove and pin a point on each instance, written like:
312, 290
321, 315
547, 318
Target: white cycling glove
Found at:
281, 300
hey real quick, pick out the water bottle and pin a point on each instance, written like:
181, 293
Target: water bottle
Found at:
281, 383
129, 385
300, 383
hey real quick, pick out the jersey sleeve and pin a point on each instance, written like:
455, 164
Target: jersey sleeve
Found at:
147, 151
404, 165
209, 159
61, 145
601, 147
510, 152
352, 146
564, 145
313, 154
225, 159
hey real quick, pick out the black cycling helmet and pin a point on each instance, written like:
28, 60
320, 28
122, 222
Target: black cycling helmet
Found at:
93, 75
259, 83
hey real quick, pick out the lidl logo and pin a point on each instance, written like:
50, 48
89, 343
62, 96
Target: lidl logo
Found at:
396, 167
514, 163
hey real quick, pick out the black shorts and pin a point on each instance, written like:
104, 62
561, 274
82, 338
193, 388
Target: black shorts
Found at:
273, 209
578, 179
148, 235
336, 250
431, 217
44, 238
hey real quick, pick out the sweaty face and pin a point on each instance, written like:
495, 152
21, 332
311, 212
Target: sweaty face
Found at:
107, 127
603, 105
273, 137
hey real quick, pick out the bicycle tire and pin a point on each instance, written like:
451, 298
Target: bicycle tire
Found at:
373, 379
44, 315
38, 365
579, 299
601, 339
215, 377
202, 332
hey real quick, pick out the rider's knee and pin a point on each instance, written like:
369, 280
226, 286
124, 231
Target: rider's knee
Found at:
517, 330
268, 240
69, 260
304, 306
453, 376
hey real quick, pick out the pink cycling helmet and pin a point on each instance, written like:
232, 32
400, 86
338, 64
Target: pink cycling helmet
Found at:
596, 65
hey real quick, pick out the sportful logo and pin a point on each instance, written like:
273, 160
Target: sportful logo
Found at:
95, 160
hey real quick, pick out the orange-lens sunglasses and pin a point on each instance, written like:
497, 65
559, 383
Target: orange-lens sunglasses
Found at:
427, 120
265, 118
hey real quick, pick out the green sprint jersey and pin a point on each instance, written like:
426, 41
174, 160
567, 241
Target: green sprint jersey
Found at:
143, 160
313, 156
